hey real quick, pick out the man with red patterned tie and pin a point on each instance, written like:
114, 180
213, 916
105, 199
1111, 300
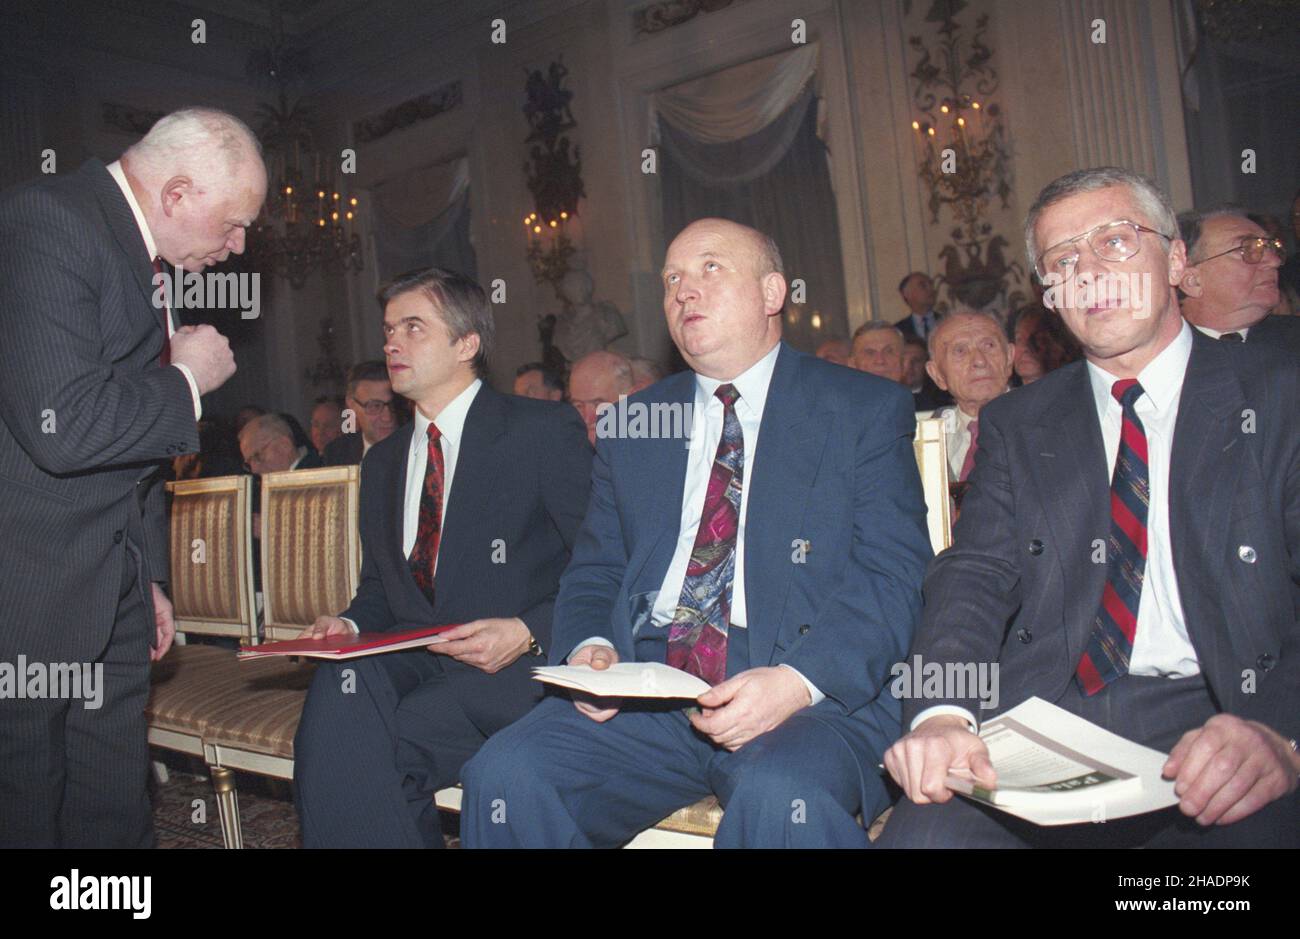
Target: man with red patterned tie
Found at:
99, 388
784, 572
1129, 550
468, 515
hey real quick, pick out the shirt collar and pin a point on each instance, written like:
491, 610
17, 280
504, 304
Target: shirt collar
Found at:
751, 383
1161, 380
1216, 333
119, 176
451, 419
964, 420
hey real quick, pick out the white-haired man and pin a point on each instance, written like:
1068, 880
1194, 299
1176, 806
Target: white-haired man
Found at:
98, 387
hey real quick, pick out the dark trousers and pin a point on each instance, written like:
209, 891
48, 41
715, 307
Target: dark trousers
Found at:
77, 777
1155, 712
380, 735
558, 779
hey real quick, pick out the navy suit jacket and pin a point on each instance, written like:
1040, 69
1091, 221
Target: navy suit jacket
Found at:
1280, 331
344, 450
1040, 500
835, 468
87, 415
517, 498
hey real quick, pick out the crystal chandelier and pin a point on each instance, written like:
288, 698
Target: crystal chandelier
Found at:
310, 219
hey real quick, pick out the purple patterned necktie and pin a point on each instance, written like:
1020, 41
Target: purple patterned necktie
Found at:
697, 638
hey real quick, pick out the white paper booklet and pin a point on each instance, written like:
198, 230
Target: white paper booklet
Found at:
1055, 768
625, 680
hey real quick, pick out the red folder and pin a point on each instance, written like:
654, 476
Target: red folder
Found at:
349, 646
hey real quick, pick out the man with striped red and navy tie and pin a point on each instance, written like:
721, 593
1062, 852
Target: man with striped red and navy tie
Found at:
1129, 550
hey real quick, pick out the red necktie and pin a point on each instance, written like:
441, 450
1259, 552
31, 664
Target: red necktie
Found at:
164, 357
968, 464
424, 553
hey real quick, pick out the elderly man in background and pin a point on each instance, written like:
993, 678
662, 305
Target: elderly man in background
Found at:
266, 444
537, 381
972, 361
878, 350
645, 372
598, 378
1230, 283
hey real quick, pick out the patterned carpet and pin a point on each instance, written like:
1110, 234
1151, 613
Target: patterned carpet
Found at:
185, 809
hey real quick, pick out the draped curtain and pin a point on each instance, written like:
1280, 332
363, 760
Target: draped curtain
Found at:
422, 219
744, 144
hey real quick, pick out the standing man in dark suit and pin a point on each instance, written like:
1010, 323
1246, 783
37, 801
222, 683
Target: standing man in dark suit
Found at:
785, 572
1129, 550
468, 515
917, 290
1231, 280
97, 389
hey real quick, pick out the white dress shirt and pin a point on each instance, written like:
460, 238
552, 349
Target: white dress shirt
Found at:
957, 431
1161, 647
706, 432
119, 176
923, 323
451, 425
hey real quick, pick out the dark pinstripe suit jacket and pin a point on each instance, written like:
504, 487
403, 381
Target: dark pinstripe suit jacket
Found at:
86, 414
1039, 498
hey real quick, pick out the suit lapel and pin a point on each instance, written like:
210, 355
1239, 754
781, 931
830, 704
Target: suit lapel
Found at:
660, 469
1205, 467
1067, 460
393, 510
127, 234
780, 474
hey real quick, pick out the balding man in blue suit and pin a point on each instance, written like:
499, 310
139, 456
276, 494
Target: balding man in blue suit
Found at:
785, 571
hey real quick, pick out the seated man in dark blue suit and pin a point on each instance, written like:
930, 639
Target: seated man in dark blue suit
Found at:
786, 573
468, 515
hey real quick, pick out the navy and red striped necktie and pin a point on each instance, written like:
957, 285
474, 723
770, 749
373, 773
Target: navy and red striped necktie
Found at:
1111, 643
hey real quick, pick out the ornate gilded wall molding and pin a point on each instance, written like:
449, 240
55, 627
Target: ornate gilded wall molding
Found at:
447, 98
656, 17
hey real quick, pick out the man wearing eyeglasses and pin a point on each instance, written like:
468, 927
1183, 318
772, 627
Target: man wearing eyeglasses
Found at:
1231, 280
373, 410
1179, 458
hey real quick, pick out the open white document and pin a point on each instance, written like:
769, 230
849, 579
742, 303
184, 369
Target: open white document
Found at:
1055, 768
625, 680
